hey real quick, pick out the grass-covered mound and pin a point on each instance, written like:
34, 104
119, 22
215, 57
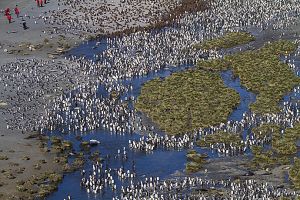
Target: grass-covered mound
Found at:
213, 65
229, 40
195, 161
220, 137
186, 101
283, 146
265, 130
38, 187
294, 174
267, 159
286, 144
261, 72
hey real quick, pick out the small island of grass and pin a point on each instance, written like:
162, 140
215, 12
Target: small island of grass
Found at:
282, 149
294, 174
262, 72
221, 137
195, 161
186, 101
229, 40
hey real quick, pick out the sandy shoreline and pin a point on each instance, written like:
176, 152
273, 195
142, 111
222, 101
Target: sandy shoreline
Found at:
13, 144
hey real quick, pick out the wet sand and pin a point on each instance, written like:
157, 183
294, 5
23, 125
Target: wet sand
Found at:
13, 143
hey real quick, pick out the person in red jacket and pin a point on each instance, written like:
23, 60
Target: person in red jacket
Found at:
38, 3
9, 18
17, 11
41, 3
7, 11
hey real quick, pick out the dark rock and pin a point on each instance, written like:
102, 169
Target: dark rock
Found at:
249, 173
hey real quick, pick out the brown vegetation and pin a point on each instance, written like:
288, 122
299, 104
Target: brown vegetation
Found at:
187, 6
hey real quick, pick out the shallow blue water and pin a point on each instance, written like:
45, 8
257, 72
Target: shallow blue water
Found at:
154, 164
246, 97
89, 49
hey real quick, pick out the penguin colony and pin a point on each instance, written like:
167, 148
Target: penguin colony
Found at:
39, 98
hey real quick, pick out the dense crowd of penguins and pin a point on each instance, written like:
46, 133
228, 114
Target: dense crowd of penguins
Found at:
95, 17
100, 178
181, 188
81, 95
29, 84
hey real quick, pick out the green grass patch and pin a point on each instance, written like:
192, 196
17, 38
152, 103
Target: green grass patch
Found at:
187, 100
283, 146
265, 130
261, 72
229, 40
294, 173
38, 187
195, 161
286, 144
262, 160
220, 137
213, 65
267, 159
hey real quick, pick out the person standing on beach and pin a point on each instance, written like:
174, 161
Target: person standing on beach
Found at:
9, 18
24, 24
17, 11
7, 11
41, 3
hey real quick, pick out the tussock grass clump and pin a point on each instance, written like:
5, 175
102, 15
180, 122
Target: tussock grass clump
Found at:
229, 40
262, 72
267, 159
186, 101
95, 156
67, 144
3, 157
62, 159
265, 130
40, 186
85, 145
262, 159
55, 140
213, 65
286, 144
77, 164
283, 146
60, 146
193, 167
294, 173
196, 161
220, 137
